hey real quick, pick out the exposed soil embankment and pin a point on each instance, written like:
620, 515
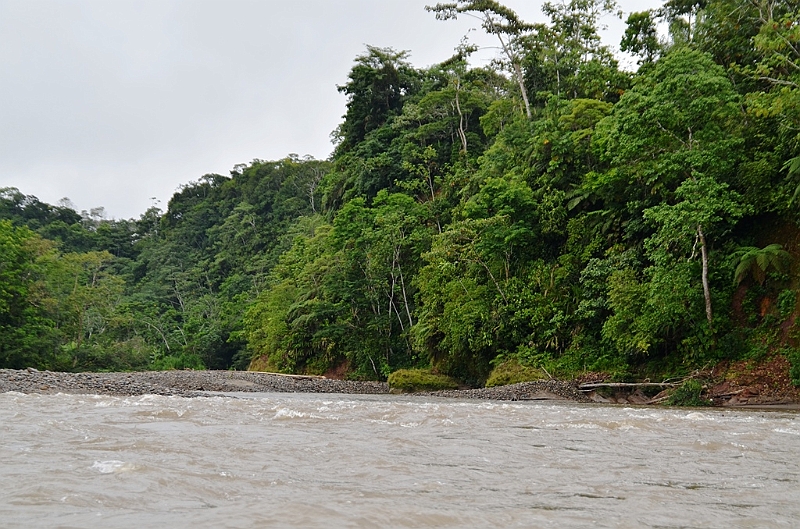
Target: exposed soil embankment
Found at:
745, 383
753, 383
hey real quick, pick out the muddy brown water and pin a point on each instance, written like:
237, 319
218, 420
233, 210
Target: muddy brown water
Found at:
311, 460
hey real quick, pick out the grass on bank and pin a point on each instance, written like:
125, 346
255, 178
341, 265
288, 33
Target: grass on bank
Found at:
512, 372
413, 380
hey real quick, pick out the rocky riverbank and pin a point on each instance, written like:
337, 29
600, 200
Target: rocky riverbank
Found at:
536, 390
197, 383
180, 383
738, 385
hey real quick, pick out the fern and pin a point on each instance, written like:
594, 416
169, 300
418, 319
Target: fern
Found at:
758, 261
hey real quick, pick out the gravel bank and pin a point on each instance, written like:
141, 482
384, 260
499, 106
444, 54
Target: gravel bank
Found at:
194, 383
181, 383
538, 390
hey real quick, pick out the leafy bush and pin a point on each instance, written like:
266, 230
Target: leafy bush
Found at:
688, 394
794, 371
787, 301
411, 380
512, 372
262, 363
181, 361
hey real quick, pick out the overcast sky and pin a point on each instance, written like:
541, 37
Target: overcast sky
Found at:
111, 103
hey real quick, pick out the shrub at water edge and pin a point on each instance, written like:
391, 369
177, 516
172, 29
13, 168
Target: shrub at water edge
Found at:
512, 372
411, 380
688, 394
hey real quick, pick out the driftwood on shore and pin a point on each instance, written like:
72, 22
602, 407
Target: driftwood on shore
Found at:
631, 385
298, 377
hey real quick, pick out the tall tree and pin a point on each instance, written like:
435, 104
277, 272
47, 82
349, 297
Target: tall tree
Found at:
641, 37
704, 205
499, 21
670, 141
377, 87
571, 48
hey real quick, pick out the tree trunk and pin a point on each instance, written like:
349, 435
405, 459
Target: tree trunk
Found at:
521, 81
461, 134
514, 63
704, 256
405, 296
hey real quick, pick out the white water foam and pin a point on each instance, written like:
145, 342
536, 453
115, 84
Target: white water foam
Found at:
112, 467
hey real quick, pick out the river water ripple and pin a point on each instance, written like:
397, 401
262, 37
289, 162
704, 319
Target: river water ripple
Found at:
309, 460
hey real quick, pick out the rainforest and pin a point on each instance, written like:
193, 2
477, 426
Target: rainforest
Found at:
549, 214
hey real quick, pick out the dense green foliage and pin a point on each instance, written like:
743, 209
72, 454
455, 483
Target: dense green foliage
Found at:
548, 211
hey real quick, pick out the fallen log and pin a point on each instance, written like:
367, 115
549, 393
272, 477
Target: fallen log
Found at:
595, 385
287, 375
730, 394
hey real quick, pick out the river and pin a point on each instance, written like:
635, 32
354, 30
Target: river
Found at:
310, 460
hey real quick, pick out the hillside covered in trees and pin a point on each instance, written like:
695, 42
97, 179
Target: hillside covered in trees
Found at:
550, 210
